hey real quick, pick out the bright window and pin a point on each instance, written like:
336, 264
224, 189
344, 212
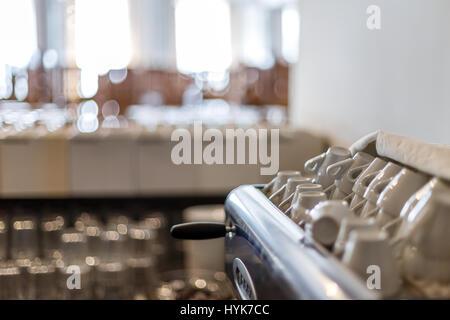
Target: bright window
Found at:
255, 34
102, 35
18, 34
203, 35
290, 31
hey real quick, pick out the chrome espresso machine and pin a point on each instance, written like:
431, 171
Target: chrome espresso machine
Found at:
368, 222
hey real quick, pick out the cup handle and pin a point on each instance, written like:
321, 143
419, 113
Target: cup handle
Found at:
285, 201
288, 212
359, 205
371, 213
269, 185
329, 189
389, 227
354, 173
349, 197
368, 178
380, 185
313, 164
277, 193
335, 169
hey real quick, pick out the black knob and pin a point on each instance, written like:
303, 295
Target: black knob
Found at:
198, 230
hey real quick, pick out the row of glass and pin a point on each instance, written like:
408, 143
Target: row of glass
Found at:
47, 258
20, 116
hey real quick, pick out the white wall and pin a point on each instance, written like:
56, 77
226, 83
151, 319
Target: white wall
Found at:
350, 81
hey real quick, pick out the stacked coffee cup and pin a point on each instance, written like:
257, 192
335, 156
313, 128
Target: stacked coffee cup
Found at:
375, 215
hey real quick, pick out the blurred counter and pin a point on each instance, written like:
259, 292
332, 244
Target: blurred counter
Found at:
87, 150
132, 161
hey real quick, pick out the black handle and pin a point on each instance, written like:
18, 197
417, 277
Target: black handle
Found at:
198, 230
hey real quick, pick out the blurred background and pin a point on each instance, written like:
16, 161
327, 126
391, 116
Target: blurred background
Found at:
338, 78
151, 52
89, 94
90, 91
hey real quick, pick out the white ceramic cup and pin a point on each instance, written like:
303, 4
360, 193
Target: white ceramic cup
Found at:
326, 218
368, 252
289, 188
363, 181
340, 171
424, 242
434, 185
349, 224
289, 201
359, 188
305, 202
319, 164
397, 192
279, 180
376, 187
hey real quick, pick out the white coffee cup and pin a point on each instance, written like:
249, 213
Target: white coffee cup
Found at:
376, 187
319, 164
361, 184
289, 188
280, 180
373, 187
397, 192
368, 254
305, 202
425, 238
289, 201
340, 171
349, 224
326, 219
434, 185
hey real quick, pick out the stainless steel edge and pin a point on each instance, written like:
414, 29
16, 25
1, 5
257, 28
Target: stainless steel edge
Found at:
299, 267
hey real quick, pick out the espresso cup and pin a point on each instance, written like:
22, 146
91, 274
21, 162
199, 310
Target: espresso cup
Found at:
349, 224
340, 171
292, 185
361, 184
280, 180
326, 218
434, 185
397, 192
376, 187
318, 165
286, 203
289, 188
367, 252
305, 202
424, 247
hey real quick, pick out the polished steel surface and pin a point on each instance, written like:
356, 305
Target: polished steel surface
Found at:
282, 262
